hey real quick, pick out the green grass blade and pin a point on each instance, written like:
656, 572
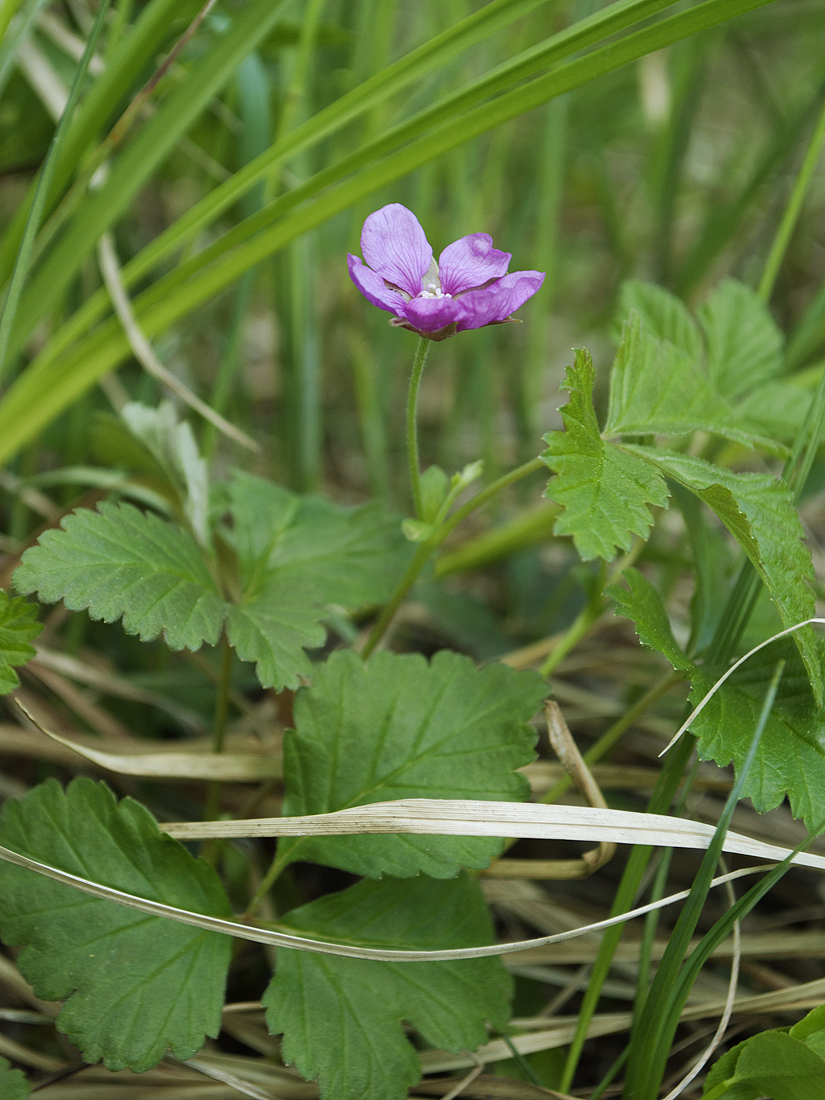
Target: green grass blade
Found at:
651, 1040
142, 156
154, 25
49, 384
21, 267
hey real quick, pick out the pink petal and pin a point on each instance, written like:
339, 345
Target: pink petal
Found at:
373, 287
431, 314
394, 245
499, 301
471, 262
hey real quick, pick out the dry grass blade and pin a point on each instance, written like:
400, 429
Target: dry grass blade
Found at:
323, 947
240, 767
461, 817
144, 353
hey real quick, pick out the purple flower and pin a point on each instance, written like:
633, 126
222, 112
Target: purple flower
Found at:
467, 288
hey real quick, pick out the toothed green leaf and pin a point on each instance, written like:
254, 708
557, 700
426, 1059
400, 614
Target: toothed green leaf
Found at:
13, 1084
605, 492
664, 315
402, 728
759, 512
743, 340
119, 562
342, 1018
297, 555
136, 985
641, 602
18, 627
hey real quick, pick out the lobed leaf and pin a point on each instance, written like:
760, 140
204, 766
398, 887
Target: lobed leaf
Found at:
664, 315
296, 555
791, 757
121, 562
759, 512
13, 1084
136, 985
342, 1018
773, 1063
743, 340
605, 492
658, 388
641, 602
401, 728
18, 626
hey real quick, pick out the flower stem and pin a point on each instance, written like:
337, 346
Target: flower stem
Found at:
412, 423
425, 550
219, 729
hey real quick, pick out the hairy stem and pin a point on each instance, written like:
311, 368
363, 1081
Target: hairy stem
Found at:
412, 424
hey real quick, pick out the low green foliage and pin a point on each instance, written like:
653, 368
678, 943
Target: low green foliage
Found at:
402, 728
606, 492
13, 1084
341, 1018
136, 985
18, 628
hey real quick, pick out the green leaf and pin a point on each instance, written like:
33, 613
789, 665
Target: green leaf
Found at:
401, 728
119, 561
434, 488
342, 1018
136, 985
604, 491
759, 512
744, 342
641, 602
791, 757
296, 555
657, 388
775, 408
811, 1030
13, 1084
773, 1064
173, 445
664, 315
18, 626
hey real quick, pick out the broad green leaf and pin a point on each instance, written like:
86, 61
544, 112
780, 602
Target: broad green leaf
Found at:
296, 555
605, 492
759, 512
774, 408
173, 445
791, 757
350, 556
120, 562
18, 627
811, 1030
744, 342
657, 388
771, 1064
275, 628
342, 1018
399, 727
664, 315
13, 1084
641, 602
136, 985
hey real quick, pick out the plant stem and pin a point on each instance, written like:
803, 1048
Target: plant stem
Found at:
425, 550
219, 729
267, 882
792, 210
412, 424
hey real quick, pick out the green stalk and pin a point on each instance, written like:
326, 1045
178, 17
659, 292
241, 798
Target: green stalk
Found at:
421, 353
425, 550
21, 267
651, 1040
792, 210
219, 728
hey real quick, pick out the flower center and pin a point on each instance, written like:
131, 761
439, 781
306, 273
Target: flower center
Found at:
432, 291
